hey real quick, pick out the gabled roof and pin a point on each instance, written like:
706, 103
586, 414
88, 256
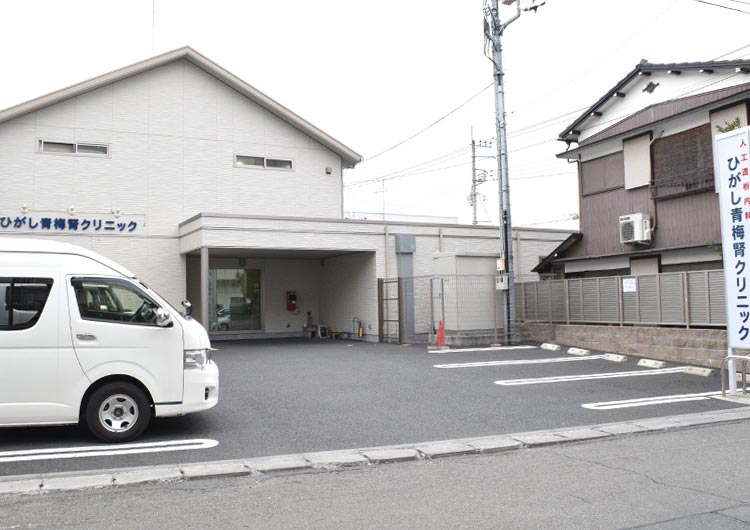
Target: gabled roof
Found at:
661, 111
349, 157
570, 134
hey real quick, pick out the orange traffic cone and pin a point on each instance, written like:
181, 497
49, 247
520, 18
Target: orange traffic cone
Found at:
440, 336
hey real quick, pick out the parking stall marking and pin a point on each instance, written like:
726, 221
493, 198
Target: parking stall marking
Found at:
513, 362
644, 402
489, 348
585, 377
59, 453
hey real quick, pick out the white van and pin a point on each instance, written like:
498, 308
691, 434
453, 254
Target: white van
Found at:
83, 341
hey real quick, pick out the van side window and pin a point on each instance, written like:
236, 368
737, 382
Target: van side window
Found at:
22, 301
111, 300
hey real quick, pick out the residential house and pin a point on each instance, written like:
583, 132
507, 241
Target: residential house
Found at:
646, 166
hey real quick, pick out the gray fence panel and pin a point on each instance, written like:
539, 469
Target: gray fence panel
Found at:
609, 310
648, 299
557, 300
700, 313
629, 303
717, 297
672, 298
520, 306
544, 301
575, 300
530, 301
591, 300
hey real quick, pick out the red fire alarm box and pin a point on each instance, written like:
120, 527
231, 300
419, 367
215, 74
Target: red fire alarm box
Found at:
291, 300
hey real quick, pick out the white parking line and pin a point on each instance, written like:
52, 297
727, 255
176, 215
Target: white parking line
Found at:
644, 402
105, 450
585, 377
490, 348
521, 361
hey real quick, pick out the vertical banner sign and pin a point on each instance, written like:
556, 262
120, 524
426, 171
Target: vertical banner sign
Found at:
733, 181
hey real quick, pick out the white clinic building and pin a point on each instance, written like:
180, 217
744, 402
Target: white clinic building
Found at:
212, 191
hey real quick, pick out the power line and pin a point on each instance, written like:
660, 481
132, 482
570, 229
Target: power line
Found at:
421, 165
719, 5
595, 65
730, 53
402, 142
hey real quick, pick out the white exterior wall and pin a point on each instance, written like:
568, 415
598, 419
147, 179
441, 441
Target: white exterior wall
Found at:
172, 133
349, 290
670, 87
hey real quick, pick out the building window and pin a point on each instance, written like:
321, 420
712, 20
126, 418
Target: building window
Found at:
80, 149
261, 162
602, 174
683, 163
278, 164
249, 161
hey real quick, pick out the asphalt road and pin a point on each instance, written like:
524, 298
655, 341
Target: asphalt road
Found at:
665, 481
280, 397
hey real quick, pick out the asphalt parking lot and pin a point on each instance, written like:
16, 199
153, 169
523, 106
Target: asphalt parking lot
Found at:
280, 397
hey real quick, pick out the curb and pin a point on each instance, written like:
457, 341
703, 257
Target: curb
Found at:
338, 460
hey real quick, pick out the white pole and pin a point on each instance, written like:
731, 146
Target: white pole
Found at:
731, 374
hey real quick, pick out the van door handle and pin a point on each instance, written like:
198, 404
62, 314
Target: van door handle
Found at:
85, 336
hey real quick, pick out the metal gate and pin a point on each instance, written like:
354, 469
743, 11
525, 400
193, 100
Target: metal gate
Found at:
410, 309
388, 310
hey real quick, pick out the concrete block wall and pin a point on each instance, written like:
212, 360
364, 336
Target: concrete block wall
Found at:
703, 347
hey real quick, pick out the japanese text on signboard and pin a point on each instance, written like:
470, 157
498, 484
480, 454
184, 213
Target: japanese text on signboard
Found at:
734, 195
70, 224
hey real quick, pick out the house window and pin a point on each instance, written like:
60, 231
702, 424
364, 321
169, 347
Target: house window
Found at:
602, 174
262, 162
683, 163
80, 149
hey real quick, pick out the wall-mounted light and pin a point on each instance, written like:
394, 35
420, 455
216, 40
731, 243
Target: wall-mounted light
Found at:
116, 212
650, 87
329, 170
71, 210
24, 209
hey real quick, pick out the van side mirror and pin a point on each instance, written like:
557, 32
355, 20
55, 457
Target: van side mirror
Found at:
188, 307
163, 319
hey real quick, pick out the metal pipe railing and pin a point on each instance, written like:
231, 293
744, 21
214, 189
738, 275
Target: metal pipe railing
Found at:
725, 362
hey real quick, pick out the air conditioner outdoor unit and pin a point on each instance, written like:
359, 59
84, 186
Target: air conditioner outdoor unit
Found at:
635, 228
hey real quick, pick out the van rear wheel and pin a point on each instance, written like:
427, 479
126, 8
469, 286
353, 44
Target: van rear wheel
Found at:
118, 412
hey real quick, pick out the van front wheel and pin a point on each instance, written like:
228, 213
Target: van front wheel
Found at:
118, 412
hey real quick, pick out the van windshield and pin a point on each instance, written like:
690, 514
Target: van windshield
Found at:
156, 295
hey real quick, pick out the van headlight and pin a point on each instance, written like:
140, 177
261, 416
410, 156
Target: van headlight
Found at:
196, 359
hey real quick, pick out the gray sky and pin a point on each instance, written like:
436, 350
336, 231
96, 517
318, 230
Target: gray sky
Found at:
373, 73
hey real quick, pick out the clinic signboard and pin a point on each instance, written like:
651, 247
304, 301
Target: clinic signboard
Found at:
733, 182
92, 224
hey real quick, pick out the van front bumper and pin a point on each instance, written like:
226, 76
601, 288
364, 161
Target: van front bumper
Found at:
200, 392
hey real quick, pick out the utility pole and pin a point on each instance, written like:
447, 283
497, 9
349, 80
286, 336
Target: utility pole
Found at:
473, 197
493, 31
